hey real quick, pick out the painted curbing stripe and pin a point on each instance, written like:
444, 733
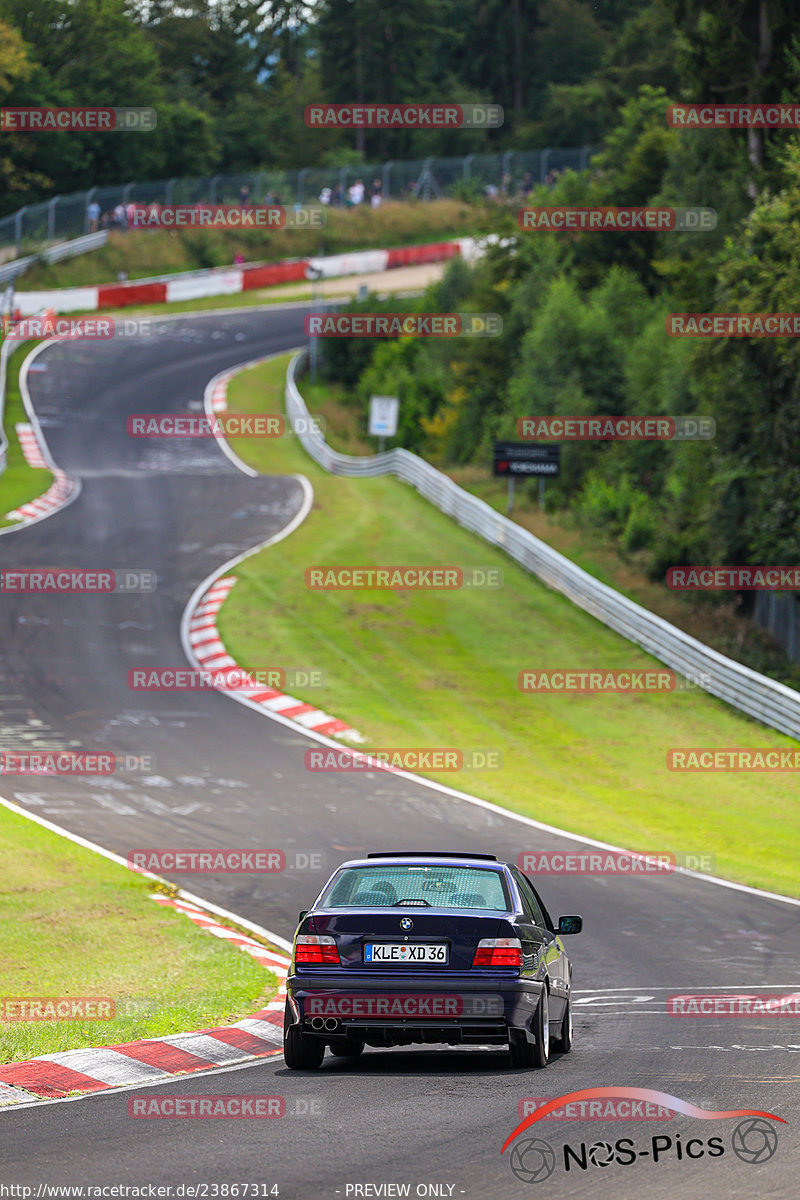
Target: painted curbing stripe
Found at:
105, 1065
63, 489
331, 727
217, 662
13, 1095
313, 719
48, 1080
266, 1015
280, 703
204, 1046
240, 1041
157, 1053
201, 637
266, 1030
227, 935
211, 650
29, 445
299, 710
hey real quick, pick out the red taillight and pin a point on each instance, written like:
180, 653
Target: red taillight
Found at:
498, 952
311, 948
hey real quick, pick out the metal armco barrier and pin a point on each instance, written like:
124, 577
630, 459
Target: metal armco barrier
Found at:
762, 698
92, 241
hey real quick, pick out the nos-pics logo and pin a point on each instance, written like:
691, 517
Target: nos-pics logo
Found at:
753, 1140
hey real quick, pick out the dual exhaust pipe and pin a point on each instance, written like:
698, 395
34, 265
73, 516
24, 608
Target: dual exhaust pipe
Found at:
327, 1023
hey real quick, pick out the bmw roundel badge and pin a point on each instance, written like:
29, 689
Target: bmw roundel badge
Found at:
406, 923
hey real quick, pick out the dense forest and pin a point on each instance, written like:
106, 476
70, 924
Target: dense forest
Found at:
584, 313
230, 80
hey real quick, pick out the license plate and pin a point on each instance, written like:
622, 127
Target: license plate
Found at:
406, 952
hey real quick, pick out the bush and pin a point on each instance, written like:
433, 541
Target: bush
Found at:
641, 525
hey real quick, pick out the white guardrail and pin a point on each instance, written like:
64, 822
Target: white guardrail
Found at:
52, 254
80, 245
762, 698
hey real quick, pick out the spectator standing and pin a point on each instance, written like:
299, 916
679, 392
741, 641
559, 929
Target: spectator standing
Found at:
244, 196
355, 193
376, 194
93, 213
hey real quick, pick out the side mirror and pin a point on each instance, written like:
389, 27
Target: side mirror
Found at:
303, 915
570, 924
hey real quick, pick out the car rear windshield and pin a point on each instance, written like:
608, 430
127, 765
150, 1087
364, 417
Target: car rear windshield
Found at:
416, 885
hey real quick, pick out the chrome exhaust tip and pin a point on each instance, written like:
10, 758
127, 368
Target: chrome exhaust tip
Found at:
318, 1023
331, 1023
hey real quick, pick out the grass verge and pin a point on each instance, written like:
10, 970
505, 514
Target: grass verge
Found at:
440, 669
719, 621
74, 924
19, 483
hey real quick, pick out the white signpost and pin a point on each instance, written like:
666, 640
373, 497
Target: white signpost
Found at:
383, 412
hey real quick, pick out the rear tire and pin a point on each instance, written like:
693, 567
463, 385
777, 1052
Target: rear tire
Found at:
301, 1051
346, 1047
541, 1026
521, 1051
563, 1043
525, 1054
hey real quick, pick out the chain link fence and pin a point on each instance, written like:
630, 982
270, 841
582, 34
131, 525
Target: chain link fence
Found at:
779, 614
512, 173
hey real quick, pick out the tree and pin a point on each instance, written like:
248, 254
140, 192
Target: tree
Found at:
727, 53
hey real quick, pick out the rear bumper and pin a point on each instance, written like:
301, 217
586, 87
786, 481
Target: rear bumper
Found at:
400, 1011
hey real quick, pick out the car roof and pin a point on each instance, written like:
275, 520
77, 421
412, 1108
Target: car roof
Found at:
434, 859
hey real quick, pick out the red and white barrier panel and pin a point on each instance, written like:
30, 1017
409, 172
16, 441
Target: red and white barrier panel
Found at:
197, 284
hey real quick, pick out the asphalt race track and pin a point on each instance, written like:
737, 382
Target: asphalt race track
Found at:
227, 776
